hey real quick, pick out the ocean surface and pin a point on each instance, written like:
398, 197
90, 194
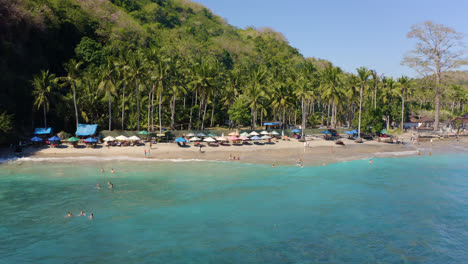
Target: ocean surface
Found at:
396, 210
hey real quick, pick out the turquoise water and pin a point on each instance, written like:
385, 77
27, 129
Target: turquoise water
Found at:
400, 210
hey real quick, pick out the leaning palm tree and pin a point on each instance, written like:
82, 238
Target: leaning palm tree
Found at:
107, 85
43, 85
363, 75
72, 68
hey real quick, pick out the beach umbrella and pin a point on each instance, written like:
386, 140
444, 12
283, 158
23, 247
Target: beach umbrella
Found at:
234, 134
160, 135
264, 133
195, 139
109, 138
233, 138
211, 134
121, 138
221, 139
383, 131
354, 131
255, 138
349, 132
90, 140
144, 132
208, 139
326, 132
54, 138
180, 140
73, 139
36, 139
274, 133
265, 137
253, 133
190, 135
201, 134
133, 138
245, 134
296, 131
243, 138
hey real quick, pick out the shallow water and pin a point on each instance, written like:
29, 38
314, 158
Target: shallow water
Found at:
397, 210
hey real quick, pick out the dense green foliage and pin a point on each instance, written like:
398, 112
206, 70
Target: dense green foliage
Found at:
145, 64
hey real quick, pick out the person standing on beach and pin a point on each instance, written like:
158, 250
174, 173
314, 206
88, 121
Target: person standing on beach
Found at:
145, 153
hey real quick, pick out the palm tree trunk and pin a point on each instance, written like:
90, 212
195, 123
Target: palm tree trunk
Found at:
110, 111
149, 111
74, 102
199, 112
123, 107
152, 107
437, 103
303, 113
159, 109
212, 112
204, 114
138, 103
402, 109
173, 111
360, 109
45, 117
191, 113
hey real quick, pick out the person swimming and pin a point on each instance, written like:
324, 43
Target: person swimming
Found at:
112, 170
91, 216
302, 165
98, 185
324, 164
371, 161
111, 186
82, 214
102, 170
69, 214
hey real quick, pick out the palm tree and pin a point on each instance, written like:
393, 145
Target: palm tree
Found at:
43, 85
386, 95
332, 86
404, 86
303, 87
122, 69
363, 75
137, 71
107, 85
72, 68
255, 90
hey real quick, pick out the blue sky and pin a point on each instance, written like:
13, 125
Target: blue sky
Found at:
349, 33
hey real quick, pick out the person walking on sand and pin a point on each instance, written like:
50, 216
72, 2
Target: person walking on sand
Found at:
145, 153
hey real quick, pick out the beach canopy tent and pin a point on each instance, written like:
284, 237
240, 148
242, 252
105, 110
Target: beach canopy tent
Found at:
42, 130
195, 139
144, 132
221, 139
190, 135
233, 138
86, 130
211, 134
134, 138
180, 140
264, 133
73, 139
54, 138
274, 133
90, 140
109, 138
245, 134
208, 139
265, 137
121, 138
36, 139
244, 138
253, 133
354, 131
201, 134
296, 131
255, 138
349, 132
326, 132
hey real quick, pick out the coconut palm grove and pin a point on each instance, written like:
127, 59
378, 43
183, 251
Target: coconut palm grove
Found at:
153, 64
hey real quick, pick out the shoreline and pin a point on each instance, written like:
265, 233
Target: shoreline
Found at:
282, 153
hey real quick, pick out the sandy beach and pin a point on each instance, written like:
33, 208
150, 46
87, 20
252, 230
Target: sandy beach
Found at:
318, 152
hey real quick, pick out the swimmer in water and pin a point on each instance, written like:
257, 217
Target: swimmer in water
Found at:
111, 186
69, 214
430, 154
102, 170
324, 164
112, 170
371, 161
302, 165
98, 185
82, 214
91, 216
419, 153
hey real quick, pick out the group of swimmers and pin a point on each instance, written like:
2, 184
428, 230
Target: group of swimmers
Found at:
91, 216
110, 184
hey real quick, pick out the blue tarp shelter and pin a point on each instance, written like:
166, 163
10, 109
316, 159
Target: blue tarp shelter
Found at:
180, 140
326, 132
296, 131
54, 138
271, 123
86, 130
42, 130
349, 132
